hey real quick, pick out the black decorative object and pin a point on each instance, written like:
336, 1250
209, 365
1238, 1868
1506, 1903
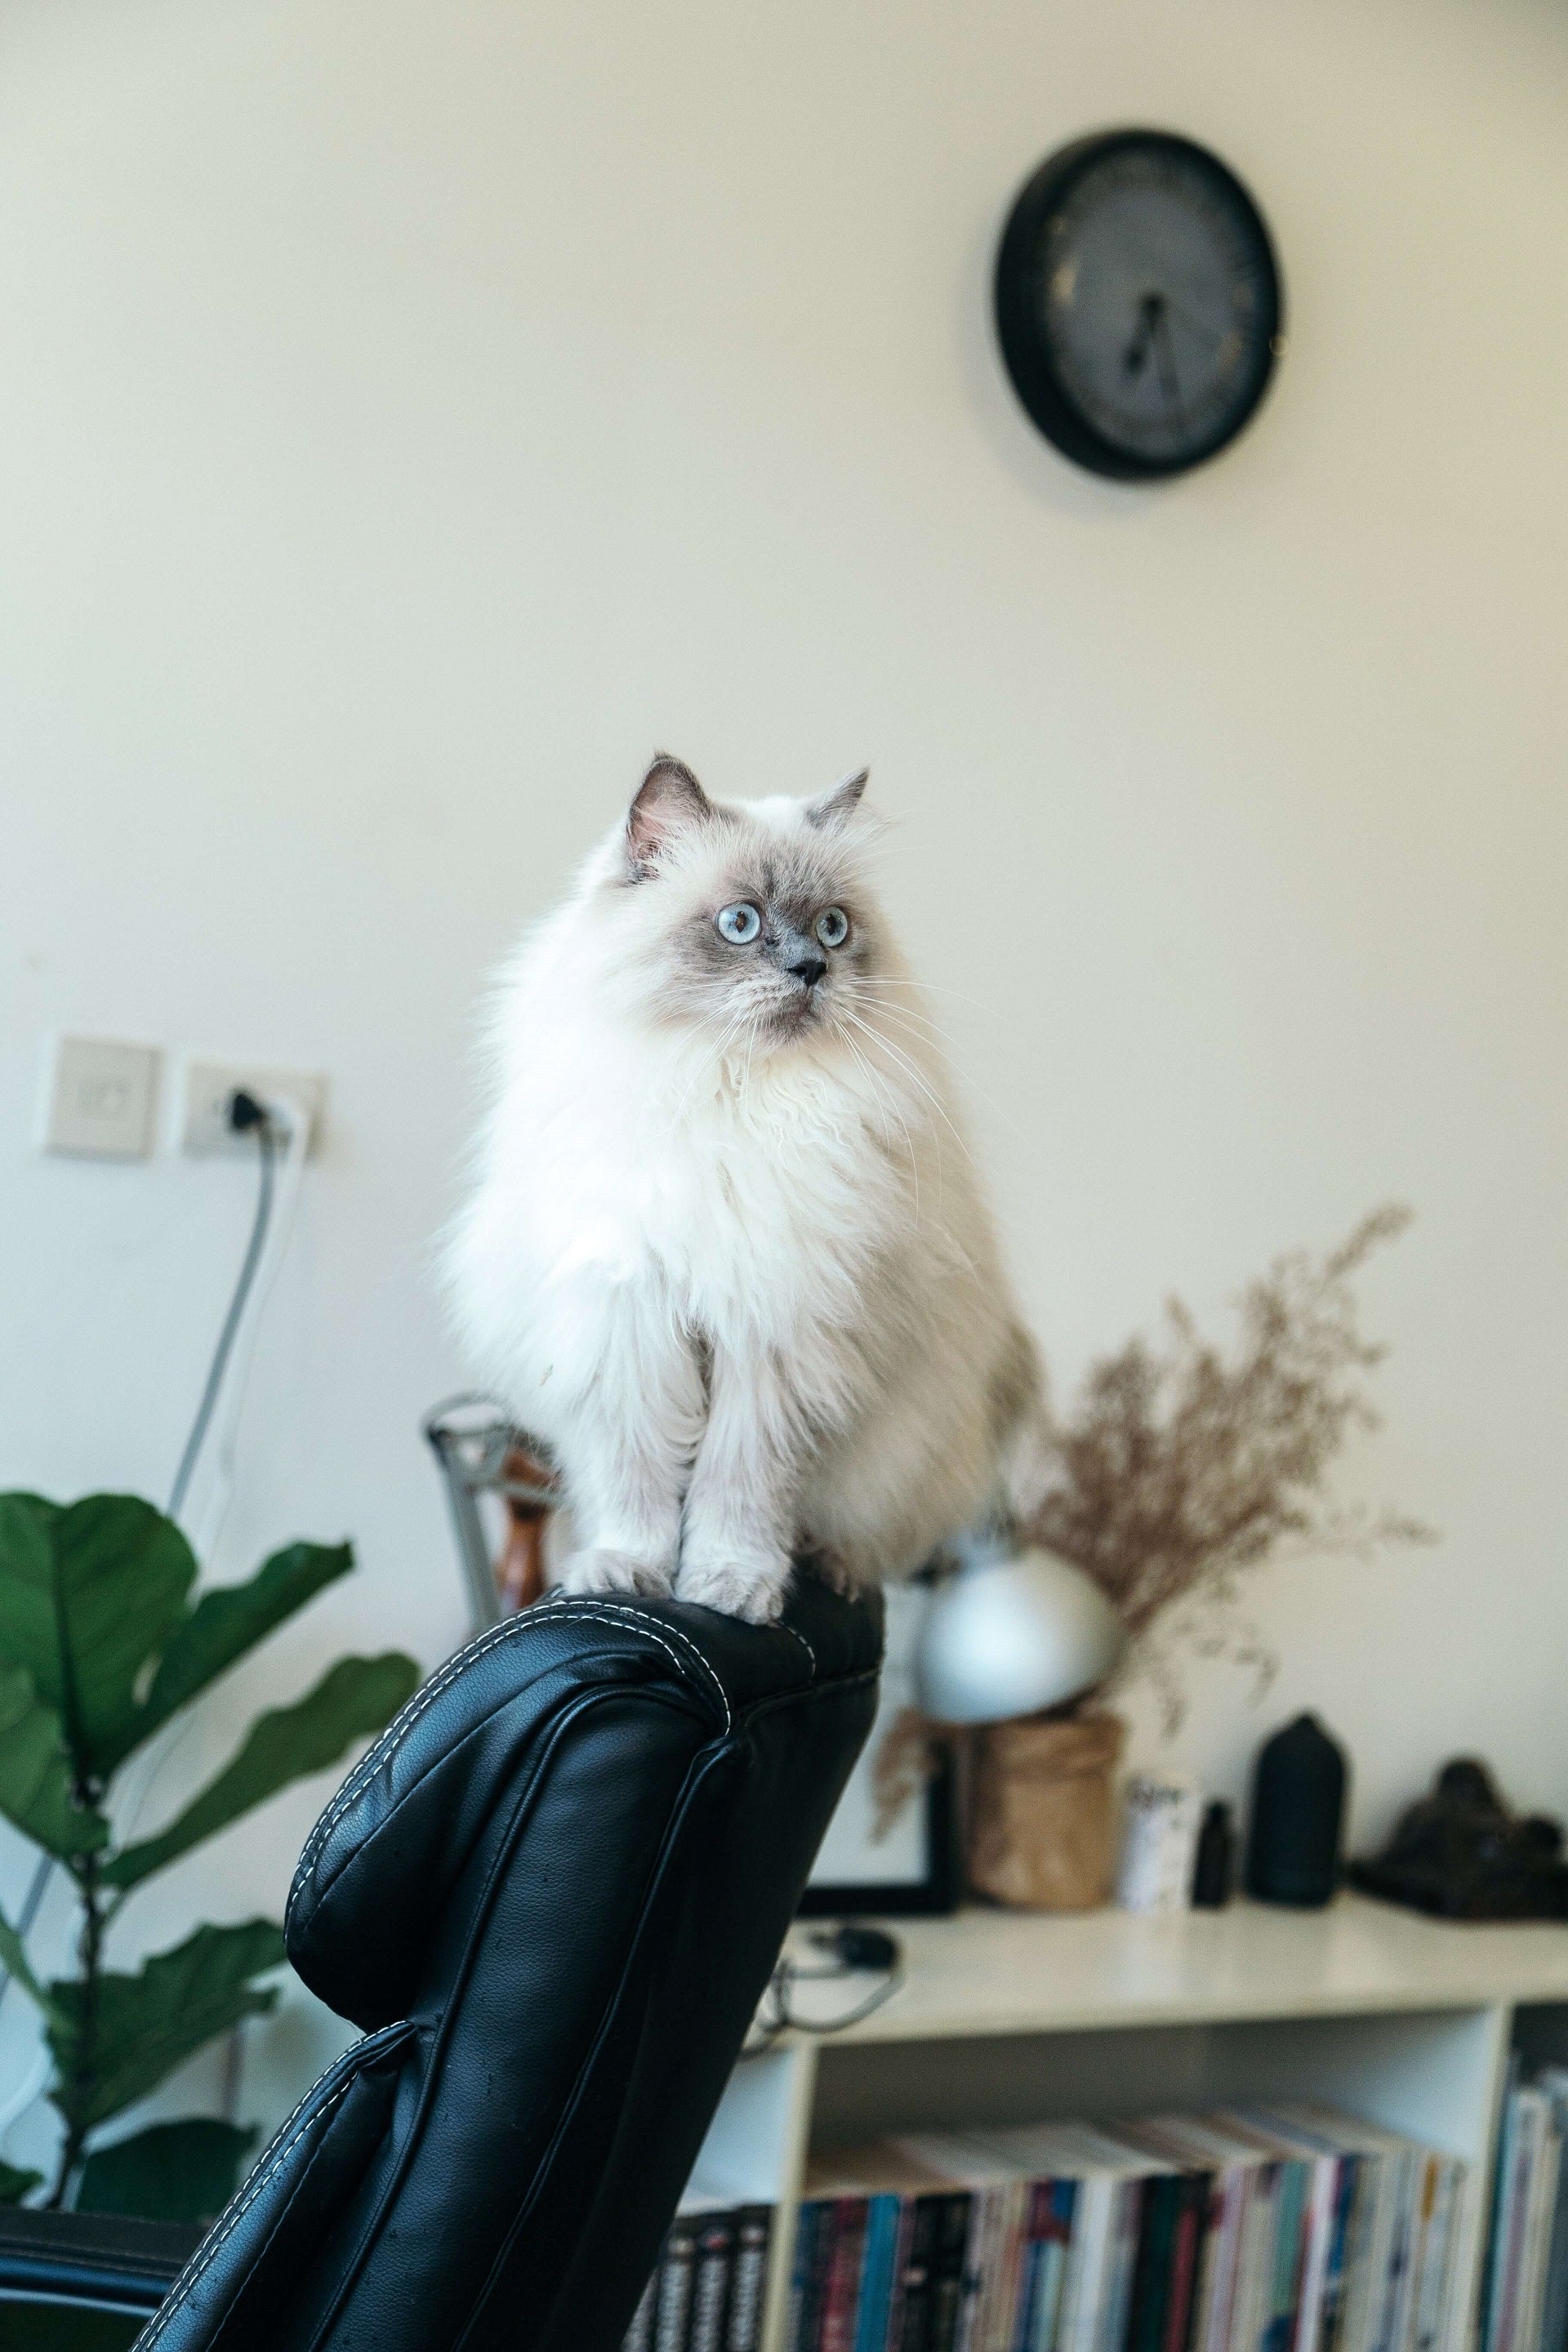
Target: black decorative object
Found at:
1138, 303
1298, 1814
1213, 1866
1460, 1854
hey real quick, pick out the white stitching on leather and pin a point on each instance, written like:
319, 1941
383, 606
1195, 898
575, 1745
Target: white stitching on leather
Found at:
397, 1730
624, 1609
204, 2253
796, 1637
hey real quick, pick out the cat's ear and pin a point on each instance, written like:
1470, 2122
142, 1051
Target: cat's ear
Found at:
669, 799
834, 807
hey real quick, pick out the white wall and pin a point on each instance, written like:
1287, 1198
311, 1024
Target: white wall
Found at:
409, 415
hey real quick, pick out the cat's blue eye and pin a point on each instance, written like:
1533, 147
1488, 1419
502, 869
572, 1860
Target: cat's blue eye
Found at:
738, 924
833, 926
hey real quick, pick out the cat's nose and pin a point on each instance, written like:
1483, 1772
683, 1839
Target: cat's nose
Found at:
809, 970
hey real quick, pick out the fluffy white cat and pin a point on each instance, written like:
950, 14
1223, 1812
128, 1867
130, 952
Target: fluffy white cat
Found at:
726, 1254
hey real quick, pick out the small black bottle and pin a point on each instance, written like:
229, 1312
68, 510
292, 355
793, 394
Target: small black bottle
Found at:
1215, 1861
1298, 1814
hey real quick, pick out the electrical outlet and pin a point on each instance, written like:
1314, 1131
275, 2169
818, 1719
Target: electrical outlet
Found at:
101, 1098
204, 1121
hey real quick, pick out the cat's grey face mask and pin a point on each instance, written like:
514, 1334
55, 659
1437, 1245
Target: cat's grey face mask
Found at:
765, 936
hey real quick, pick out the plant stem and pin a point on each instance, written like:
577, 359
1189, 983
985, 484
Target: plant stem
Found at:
90, 1954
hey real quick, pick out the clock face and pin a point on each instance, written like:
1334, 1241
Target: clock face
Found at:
1138, 303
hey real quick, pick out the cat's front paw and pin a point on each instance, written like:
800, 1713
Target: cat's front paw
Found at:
752, 1589
613, 1571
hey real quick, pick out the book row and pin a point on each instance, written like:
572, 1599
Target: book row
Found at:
706, 2295
1277, 2230
1524, 2299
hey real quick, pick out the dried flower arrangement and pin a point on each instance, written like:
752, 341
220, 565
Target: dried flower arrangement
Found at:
1178, 1469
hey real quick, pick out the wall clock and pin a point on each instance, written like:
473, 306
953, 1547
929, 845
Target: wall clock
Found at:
1138, 303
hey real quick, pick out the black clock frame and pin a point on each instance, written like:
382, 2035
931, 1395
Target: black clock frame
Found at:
1025, 351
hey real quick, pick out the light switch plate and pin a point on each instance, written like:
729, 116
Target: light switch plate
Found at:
101, 1098
204, 1123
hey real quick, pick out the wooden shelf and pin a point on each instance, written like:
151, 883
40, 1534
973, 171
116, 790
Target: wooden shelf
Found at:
1008, 2017
988, 1972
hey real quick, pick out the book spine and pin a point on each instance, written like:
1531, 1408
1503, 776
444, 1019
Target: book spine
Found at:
1211, 2248
813, 2250
1496, 2237
749, 2285
1318, 2236
1126, 2228
1054, 2266
1432, 2281
947, 2277
980, 2268
877, 2275
842, 2301
1372, 2255
1397, 2296
672, 2324
1192, 2221
1152, 2263
1525, 2136
1280, 2323
1012, 2252
1331, 2325
909, 2329
1084, 2288
1255, 2279
1543, 2198
1031, 2250
710, 2282
1237, 2184
1554, 2293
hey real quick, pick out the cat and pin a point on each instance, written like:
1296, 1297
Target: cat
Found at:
726, 1254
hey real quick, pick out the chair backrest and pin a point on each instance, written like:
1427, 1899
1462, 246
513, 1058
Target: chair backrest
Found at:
552, 1894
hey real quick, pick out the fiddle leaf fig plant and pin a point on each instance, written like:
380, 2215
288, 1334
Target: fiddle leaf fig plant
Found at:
102, 1646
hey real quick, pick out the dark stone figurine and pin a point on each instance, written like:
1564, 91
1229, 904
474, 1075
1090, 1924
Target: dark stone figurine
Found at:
1459, 1854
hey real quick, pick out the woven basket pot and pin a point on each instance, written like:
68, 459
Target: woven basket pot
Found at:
1042, 1829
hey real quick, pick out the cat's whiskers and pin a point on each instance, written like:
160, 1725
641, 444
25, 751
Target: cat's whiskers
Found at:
932, 988
909, 1072
906, 1013
916, 1079
885, 1100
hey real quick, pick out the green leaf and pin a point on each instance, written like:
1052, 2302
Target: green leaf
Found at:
146, 2025
88, 1594
28, 1634
231, 1620
35, 1785
356, 1697
171, 2172
15, 2183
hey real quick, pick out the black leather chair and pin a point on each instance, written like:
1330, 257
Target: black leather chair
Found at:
552, 1895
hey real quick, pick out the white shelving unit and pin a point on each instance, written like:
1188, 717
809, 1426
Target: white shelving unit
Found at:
1008, 2018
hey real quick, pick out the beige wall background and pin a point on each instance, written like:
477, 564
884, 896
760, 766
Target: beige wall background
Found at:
410, 414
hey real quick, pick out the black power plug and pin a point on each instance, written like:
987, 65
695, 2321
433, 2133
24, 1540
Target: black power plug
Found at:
245, 1112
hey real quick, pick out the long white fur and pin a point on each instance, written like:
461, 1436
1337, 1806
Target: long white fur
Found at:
743, 1282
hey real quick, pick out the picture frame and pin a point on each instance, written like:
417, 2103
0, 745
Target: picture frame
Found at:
912, 1865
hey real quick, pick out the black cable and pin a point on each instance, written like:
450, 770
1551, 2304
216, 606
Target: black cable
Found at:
244, 1113
856, 1951
29, 1912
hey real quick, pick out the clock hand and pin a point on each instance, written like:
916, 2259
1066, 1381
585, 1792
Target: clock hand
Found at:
1137, 351
1165, 360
